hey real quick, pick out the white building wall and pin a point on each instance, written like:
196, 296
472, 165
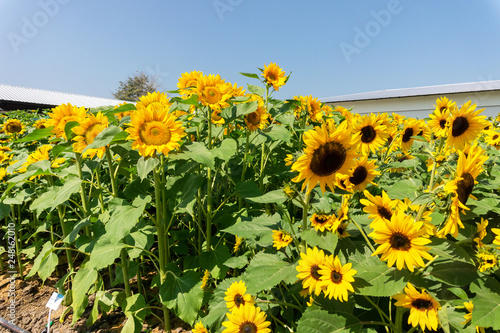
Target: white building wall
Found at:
422, 106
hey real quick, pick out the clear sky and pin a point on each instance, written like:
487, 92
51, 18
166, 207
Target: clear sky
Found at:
331, 47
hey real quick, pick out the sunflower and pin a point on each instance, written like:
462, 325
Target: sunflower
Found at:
4, 157
468, 316
411, 128
487, 261
154, 130
40, 124
308, 269
258, 118
237, 243
440, 117
423, 307
199, 328
329, 151
321, 222
314, 109
281, 239
213, 92
336, 278
370, 134
300, 106
205, 278
63, 114
465, 125
86, 132
496, 241
380, 208
236, 296
468, 168
13, 126
481, 232
342, 230
154, 98
187, 83
246, 319
41, 154
120, 115
3, 173
493, 138
274, 76
361, 174
400, 241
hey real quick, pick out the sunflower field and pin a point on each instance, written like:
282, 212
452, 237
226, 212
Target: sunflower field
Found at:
236, 212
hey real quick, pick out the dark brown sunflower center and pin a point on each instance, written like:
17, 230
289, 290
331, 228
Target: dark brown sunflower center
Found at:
421, 304
489, 261
340, 230
336, 277
400, 241
495, 137
327, 159
239, 300
384, 212
321, 219
248, 327
253, 118
368, 134
408, 134
442, 123
314, 272
14, 128
464, 187
359, 175
460, 126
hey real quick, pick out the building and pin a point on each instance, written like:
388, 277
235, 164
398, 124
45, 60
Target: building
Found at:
419, 102
20, 98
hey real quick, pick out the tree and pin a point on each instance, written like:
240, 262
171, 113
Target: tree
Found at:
136, 86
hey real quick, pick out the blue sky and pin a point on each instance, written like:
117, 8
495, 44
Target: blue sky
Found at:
331, 47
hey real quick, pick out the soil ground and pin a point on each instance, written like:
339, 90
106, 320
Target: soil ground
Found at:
31, 312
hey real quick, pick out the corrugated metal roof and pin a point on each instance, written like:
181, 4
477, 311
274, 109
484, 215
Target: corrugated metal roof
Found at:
47, 97
417, 91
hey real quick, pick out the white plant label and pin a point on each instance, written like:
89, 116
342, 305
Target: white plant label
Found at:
54, 301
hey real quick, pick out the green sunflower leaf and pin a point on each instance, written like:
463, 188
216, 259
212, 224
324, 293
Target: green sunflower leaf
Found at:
486, 303
266, 271
183, 294
317, 320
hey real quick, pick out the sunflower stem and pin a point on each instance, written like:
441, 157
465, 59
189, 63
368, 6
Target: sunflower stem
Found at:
398, 328
60, 213
111, 173
245, 165
383, 316
305, 212
364, 235
83, 193
209, 190
160, 226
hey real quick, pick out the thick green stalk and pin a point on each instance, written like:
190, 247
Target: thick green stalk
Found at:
64, 228
305, 223
209, 190
83, 194
245, 165
160, 226
111, 173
